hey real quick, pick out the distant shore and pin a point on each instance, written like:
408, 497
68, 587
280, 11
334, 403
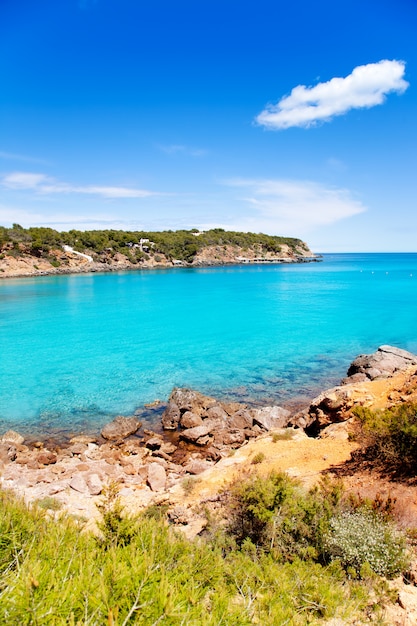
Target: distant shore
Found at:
24, 268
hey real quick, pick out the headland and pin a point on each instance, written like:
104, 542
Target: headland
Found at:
43, 251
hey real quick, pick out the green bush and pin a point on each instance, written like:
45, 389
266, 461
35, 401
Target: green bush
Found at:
391, 436
356, 538
277, 516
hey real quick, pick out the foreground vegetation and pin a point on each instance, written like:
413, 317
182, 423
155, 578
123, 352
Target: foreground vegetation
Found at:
282, 557
389, 438
180, 244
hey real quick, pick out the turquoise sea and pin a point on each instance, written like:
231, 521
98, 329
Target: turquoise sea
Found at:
77, 350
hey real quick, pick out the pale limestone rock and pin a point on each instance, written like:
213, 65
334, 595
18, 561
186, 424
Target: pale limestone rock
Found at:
12, 437
271, 417
197, 466
94, 484
156, 477
78, 484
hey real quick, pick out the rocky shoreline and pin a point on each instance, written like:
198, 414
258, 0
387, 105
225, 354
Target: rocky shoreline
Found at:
201, 437
63, 262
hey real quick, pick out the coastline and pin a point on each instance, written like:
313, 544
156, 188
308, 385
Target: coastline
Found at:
102, 268
204, 443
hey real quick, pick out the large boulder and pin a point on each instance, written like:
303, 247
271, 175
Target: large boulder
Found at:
271, 417
330, 406
186, 405
383, 363
189, 400
120, 428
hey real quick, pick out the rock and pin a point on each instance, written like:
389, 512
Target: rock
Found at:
233, 407
157, 477
229, 437
85, 439
271, 417
212, 454
241, 419
179, 515
189, 400
77, 448
94, 484
383, 363
407, 599
12, 437
171, 416
7, 453
190, 420
154, 443
46, 458
168, 447
197, 466
203, 441
121, 427
339, 431
330, 406
217, 413
78, 484
193, 434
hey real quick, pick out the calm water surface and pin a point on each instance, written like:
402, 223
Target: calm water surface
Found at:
77, 350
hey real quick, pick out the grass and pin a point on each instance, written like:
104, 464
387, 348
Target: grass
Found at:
140, 571
286, 435
258, 458
49, 504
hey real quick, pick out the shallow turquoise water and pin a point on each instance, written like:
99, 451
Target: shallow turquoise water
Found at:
76, 350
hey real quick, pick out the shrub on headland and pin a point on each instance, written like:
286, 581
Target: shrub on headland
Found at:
390, 436
179, 244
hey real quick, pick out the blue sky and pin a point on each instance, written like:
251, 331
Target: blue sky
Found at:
292, 119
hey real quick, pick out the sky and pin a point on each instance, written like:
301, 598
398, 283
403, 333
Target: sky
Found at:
296, 119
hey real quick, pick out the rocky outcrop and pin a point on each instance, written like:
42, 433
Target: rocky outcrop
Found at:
383, 363
209, 423
335, 405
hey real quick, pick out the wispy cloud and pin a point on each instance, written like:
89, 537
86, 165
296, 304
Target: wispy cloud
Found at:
181, 149
293, 206
11, 156
66, 220
365, 87
42, 184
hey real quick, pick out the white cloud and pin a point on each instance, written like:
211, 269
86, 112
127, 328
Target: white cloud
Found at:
42, 184
365, 87
66, 220
294, 207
